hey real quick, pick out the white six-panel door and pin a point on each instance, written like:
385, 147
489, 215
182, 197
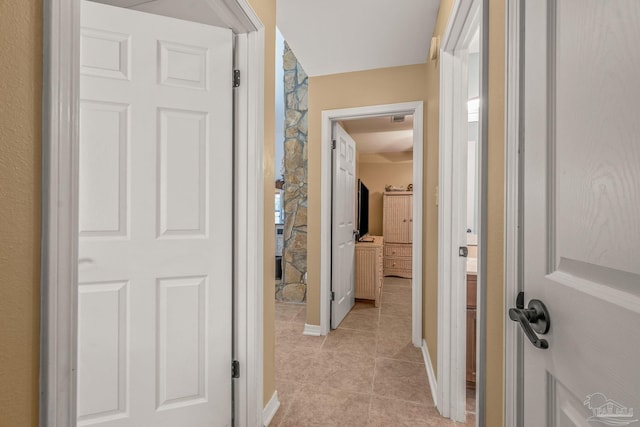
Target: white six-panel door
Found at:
581, 210
343, 225
155, 266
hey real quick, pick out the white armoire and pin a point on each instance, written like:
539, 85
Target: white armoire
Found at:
397, 227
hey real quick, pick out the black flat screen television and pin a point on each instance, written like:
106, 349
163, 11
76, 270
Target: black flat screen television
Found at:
363, 210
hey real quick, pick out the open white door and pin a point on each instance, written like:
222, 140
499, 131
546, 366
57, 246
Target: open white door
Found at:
155, 237
581, 204
343, 225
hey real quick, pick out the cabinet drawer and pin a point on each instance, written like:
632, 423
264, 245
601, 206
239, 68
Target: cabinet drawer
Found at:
397, 263
397, 250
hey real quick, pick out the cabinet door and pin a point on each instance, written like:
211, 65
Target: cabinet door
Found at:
393, 216
409, 216
471, 347
397, 216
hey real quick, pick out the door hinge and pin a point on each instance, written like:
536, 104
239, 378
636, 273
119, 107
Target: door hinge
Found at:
463, 251
236, 78
333, 296
235, 369
333, 144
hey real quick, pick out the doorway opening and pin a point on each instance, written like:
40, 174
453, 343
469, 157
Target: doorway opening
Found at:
379, 210
461, 226
329, 118
64, 356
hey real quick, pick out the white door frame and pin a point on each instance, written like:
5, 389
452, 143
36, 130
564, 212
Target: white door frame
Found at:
466, 17
59, 299
329, 116
513, 339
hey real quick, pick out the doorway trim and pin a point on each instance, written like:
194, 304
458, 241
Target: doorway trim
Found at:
328, 116
513, 261
466, 17
59, 254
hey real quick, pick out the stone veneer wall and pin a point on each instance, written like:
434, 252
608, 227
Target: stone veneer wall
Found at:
294, 260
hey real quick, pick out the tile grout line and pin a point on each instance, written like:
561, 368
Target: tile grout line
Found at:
373, 381
375, 361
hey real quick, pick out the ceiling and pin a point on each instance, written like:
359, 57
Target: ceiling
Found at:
337, 36
380, 135
330, 36
189, 10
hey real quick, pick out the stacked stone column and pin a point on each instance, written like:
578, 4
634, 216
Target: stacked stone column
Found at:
294, 261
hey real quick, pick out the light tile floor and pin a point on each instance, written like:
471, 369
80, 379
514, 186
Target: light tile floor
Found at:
365, 373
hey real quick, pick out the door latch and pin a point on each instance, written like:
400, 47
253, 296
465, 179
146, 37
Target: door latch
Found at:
534, 318
463, 251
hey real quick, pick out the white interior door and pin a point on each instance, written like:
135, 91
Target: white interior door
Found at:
343, 225
581, 205
155, 237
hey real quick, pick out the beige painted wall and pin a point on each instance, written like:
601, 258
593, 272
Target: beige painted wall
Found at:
20, 93
495, 218
375, 176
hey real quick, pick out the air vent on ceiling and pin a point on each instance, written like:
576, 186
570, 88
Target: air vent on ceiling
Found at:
397, 119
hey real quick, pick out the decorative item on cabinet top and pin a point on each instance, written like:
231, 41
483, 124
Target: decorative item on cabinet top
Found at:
390, 187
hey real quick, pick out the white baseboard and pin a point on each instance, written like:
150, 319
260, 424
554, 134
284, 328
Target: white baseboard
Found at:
433, 380
313, 330
270, 410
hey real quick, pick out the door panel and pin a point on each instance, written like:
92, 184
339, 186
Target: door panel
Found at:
104, 351
566, 409
581, 199
181, 352
104, 200
343, 226
183, 172
155, 238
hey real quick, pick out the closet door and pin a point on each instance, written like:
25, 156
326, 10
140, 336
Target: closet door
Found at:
155, 270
